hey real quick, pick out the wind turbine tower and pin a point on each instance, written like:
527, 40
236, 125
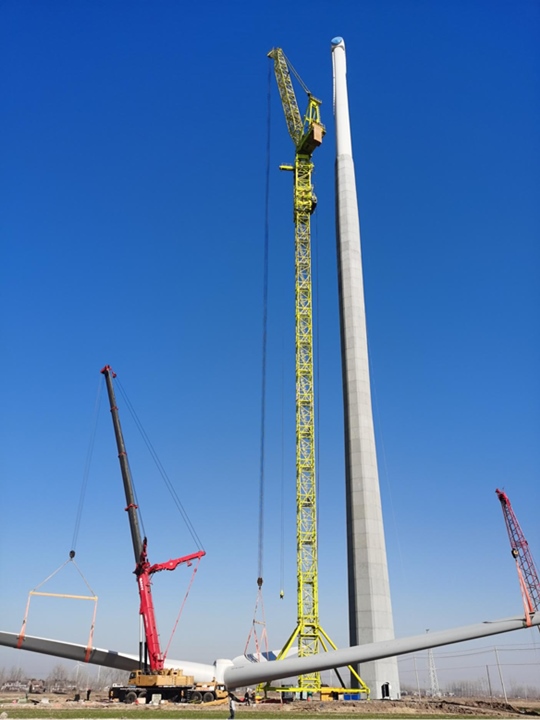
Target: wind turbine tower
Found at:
370, 607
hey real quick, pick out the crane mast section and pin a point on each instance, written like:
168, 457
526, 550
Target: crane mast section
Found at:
307, 563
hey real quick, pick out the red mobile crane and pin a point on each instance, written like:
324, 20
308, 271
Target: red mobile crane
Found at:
527, 574
172, 684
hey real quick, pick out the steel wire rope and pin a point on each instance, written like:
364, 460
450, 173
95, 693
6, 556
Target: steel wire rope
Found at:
181, 610
282, 481
260, 559
261, 644
296, 75
78, 517
161, 469
36, 591
86, 471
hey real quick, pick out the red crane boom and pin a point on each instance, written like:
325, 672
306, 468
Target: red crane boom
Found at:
528, 576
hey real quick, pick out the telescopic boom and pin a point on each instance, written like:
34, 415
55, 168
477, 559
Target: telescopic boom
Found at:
143, 570
131, 507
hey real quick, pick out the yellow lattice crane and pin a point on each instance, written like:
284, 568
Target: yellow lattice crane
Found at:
307, 134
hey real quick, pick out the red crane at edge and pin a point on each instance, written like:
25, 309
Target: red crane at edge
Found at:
527, 574
143, 569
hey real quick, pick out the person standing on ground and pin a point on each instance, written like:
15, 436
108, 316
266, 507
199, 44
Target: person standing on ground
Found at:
232, 705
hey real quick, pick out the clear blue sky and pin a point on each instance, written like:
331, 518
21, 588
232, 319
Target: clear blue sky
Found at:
133, 177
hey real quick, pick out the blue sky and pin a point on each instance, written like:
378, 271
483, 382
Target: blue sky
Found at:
133, 181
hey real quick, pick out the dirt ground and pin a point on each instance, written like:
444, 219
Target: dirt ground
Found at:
413, 707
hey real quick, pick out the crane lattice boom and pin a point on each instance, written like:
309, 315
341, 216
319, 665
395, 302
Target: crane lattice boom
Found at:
520, 551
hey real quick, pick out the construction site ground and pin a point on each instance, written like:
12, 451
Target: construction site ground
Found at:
60, 708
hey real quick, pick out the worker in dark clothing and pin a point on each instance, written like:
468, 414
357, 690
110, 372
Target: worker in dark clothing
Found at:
232, 705
88, 693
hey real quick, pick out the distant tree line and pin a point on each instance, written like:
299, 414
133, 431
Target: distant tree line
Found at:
61, 679
477, 688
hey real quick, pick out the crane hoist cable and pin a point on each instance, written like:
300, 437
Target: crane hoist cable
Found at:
257, 632
168, 484
86, 472
264, 336
180, 611
66, 596
37, 592
282, 491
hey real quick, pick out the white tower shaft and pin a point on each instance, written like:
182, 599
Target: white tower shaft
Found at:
370, 609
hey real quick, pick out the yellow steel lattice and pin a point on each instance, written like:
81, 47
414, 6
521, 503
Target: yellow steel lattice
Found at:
307, 135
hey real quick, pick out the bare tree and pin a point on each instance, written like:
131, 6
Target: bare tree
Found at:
467, 688
16, 674
110, 676
527, 692
57, 679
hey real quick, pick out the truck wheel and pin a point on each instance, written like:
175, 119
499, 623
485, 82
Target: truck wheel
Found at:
208, 697
131, 696
196, 697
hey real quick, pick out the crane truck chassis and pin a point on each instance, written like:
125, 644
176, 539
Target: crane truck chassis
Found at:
172, 685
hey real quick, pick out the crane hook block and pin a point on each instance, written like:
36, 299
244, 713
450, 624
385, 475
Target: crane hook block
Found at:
71, 554
259, 582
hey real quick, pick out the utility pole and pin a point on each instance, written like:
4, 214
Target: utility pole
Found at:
501, 675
